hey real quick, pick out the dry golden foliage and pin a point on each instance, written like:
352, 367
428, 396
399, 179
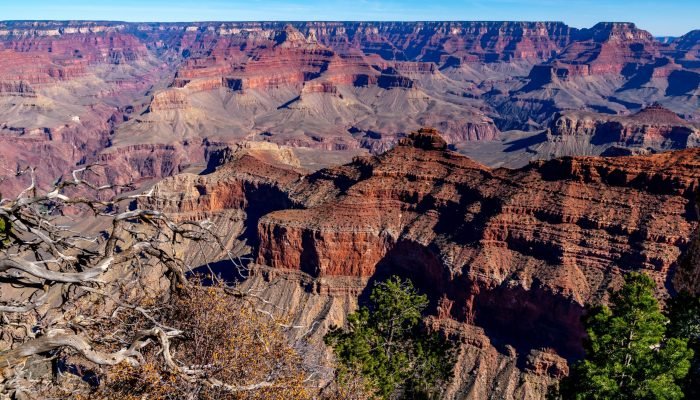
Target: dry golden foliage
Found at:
95, 302
239, 353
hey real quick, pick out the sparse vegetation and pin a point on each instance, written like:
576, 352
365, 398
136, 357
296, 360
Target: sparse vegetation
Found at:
240, 353
109, 312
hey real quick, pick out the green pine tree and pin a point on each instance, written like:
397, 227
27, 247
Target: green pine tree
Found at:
628, 355
389, 345
684, 313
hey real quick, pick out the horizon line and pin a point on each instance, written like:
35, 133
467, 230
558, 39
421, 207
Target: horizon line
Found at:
342, 21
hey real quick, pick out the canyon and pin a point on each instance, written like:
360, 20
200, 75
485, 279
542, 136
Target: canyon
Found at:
82, 92
515, 171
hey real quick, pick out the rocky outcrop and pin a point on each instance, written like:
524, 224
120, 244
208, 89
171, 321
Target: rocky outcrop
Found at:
653, 127
542, 235
259, 60
172, 99
320, 87
396, 208
142, 162
20, 88
484, 372
607, 48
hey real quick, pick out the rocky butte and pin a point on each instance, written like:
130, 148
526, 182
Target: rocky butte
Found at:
509, 257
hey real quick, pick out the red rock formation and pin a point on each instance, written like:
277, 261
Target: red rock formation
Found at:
558, 233
316, 84
63, 54
63, 88
549, 224
427, 170
507, 256
607, 48
429, 42
258, 60
435, 41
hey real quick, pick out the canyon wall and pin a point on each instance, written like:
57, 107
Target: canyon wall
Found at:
653, 127
330, 86
509, 258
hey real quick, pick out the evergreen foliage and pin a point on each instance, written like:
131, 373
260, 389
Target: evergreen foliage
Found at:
389, 345
628, 354
684, 313
4, 233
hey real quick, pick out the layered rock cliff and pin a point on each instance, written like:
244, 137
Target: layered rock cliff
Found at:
331, 86
509, 258
607, 48
551, 237
654, 127
64, 86
457, 213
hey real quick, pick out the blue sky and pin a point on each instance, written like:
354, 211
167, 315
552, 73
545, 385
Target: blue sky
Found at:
669, 17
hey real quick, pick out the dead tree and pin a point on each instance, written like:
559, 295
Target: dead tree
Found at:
73, 259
